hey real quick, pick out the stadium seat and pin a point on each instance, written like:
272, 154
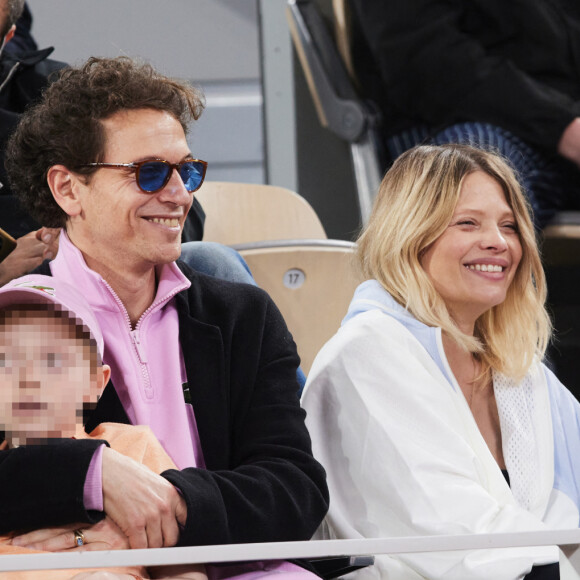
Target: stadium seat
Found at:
311, 282
239, 213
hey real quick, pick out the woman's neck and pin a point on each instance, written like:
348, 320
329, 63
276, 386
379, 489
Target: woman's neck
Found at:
463, 364
477, 388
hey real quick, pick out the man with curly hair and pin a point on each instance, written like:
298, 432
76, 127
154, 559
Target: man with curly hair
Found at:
209, 365
24, 73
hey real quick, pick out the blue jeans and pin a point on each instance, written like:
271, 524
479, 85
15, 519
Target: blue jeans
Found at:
216, 260
550, 182
223, 262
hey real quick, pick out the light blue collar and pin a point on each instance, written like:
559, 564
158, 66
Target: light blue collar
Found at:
370, 295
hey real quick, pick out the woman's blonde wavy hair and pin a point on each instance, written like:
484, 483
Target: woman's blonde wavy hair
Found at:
414, 206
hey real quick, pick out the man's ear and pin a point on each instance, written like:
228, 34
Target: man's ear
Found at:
65, 186
10, 34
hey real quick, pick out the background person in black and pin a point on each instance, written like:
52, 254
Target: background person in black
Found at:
487, 72
24, 73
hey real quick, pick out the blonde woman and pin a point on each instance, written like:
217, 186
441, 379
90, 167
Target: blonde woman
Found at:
430, 408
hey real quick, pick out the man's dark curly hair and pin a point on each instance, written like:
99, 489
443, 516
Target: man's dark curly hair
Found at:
65, 127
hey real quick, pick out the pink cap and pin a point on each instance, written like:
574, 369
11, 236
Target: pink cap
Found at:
38, 289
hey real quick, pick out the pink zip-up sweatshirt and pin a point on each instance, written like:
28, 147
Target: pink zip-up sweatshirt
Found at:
146, 363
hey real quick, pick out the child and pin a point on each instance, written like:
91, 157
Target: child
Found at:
50, 367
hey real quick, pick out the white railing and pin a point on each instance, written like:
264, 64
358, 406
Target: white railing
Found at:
567, 540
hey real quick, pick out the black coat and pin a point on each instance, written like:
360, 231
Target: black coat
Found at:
261, 482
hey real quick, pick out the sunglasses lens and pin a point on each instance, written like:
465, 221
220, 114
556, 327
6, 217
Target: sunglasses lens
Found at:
153, 175
192, 173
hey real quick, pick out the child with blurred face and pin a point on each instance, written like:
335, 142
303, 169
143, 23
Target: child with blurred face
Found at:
50, 368
50, 361
46, 374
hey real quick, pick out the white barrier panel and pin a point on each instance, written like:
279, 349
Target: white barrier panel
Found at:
568, 540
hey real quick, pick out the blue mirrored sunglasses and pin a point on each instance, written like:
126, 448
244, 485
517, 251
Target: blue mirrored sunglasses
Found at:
152, 175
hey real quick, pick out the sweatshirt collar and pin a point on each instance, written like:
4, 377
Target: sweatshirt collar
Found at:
70, 264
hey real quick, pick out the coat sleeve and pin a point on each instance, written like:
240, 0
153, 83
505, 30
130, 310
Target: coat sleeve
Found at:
436, 72
268, 486
42, 485
404, 456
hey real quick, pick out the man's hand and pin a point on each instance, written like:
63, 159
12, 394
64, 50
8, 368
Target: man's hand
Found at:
31, 250
104, 535
569, 145
143, 504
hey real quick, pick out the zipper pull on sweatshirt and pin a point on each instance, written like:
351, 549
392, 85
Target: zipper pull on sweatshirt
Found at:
139, 346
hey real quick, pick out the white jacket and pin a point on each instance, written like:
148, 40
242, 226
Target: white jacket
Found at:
405, 457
